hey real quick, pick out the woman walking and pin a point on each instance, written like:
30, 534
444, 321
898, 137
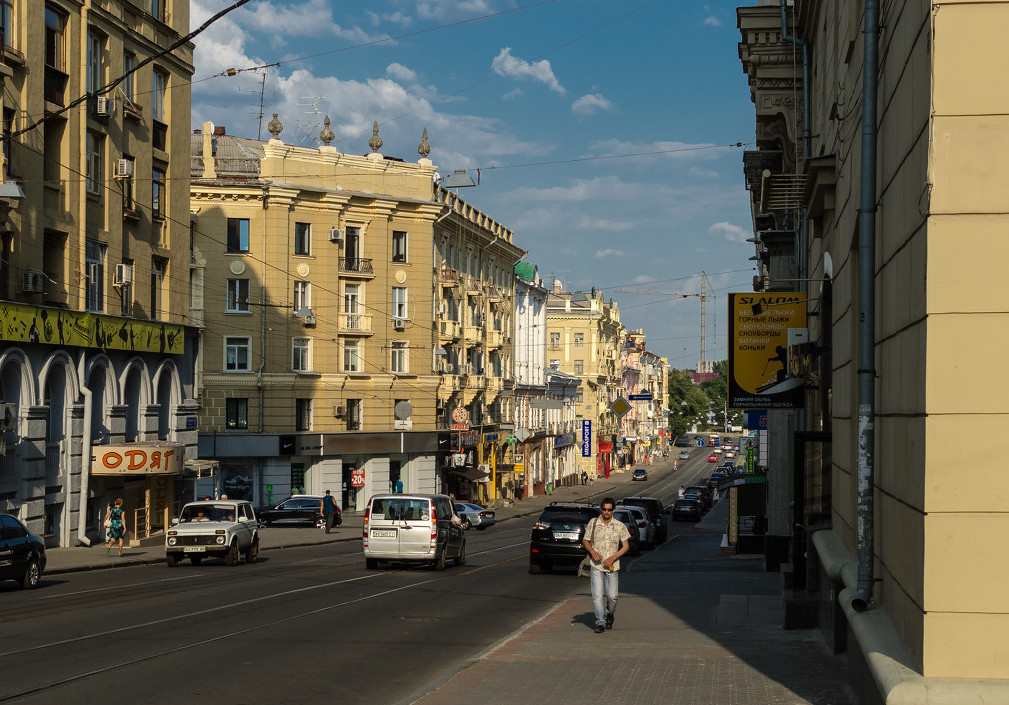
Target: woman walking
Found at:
117, 528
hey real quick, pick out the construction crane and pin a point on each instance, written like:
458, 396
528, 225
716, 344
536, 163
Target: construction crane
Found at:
702, 295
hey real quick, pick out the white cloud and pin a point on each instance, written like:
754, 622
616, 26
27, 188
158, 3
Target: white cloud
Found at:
732, 233
401, 72
608, 253
703, 173
712, 21
505, 64
590, 104
512, 94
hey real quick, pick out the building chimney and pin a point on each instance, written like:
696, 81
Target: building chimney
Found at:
219, 131
209, 161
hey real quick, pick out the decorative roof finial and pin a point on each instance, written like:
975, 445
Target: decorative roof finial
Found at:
424, 149
327, 134
275, 127
375, 142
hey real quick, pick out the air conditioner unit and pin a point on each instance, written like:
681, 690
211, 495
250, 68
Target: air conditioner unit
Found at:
399, 323
123, 169
32, 283
309, 320
123, 275
104, 106
335, 235
339, 410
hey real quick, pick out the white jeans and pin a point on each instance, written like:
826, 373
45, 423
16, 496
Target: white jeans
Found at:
604, 593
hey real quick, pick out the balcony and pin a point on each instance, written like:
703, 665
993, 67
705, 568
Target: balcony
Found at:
472, 334
54, 200
495, 339
449, 329
356, 266
351, 323
55, 85
449, 277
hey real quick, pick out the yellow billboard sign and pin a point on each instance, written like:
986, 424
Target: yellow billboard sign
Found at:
758, 350
55, 326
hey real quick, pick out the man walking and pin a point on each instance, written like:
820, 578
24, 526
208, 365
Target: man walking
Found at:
605, 540
328, 510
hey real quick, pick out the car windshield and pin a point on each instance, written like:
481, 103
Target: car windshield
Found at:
207, 512
568, 514
402, 509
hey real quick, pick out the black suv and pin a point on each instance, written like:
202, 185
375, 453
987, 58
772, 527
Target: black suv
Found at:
297, 509
657, 514
557, 535
22, 553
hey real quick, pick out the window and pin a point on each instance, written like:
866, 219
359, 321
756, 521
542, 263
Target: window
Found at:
236, 354
303, 414
351, 356
399, 309
126, 184
159, 88
7, 27
158, 267
94, 277
238, 296
129, 84
55, 24
93, 163
126, 293
579, 340
398, 246
302, 297
353, 414
555, 340
237, 411
94, 75
8, 127
238, 234
159, 8
158, 193
301, 359
579, 396
579, 367
302, 238
399, 357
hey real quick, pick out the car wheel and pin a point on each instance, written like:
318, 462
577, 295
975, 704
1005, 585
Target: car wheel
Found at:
171, 559
252, 555
439, 561
32, 575
461, 558
535, 568
371, 563
467, 524
320, 522
196, 560
231, 557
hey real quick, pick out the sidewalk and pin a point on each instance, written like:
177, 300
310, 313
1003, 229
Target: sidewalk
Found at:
692, 627
80, 558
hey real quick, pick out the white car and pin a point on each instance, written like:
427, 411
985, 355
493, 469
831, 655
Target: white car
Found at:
646, 529
215, 528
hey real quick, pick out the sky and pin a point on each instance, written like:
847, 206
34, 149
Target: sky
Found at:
603, 132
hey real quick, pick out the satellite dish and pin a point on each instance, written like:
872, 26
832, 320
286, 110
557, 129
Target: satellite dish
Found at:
403, 410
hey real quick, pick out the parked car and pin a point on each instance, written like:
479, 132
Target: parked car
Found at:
642, 526
474, 515
412, 527
216, 528
297, 509
715, 478
625, 517
22, 553
705, 494
684, 455
657, 513
712, 458
639, 474
687, 508
556, 538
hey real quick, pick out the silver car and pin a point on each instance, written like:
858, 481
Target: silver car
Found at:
474, 515
215, 528
646, 529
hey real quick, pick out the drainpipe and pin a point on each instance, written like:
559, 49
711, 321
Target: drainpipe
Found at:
262, 315
867, 311
82, 511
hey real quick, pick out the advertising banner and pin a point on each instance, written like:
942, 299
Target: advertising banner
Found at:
153, 458
758, 350
586, 439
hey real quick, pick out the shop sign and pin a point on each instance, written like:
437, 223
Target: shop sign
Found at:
357, 477
460, 419
138, 459
586, 438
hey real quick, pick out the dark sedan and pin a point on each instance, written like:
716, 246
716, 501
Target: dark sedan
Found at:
688, 509
297, 509
639, 474
22, 553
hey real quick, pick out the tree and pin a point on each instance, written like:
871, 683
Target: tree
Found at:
687, 402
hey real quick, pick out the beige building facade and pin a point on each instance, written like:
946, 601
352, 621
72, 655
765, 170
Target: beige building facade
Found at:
96, 358
935, 618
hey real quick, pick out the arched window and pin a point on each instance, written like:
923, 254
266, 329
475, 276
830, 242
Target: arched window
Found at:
165, 406
131, 397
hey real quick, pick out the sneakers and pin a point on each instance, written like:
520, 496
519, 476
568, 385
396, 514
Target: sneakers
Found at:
600, 629
609, 620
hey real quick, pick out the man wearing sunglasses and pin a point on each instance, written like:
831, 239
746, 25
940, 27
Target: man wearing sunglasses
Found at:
605, 540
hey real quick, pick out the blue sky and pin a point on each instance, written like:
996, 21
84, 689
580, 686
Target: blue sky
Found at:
600, 128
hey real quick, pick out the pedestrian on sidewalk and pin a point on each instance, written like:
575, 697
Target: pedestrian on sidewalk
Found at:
605, 540
585, 478
117, 528
327, 507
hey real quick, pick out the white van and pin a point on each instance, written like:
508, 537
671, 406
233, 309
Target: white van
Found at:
412, 527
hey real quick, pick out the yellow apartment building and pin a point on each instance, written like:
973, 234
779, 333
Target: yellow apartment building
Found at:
901, 502
96, 352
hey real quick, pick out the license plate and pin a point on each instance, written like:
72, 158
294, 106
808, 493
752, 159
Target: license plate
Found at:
194, 549
384, 533
566, 535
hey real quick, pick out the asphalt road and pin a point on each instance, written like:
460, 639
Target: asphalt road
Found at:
303, 625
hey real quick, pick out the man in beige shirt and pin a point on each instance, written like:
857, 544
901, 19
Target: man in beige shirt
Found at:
605, 540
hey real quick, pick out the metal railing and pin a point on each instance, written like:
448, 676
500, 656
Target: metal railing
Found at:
355, 265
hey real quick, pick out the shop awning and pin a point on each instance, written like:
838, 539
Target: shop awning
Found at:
473, 474
200, 468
